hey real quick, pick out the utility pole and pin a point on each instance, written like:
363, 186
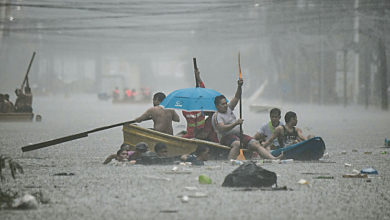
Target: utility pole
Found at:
356, 50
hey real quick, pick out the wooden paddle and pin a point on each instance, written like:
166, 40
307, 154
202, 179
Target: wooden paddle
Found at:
240, 77
28, 70
197, 83
70, 137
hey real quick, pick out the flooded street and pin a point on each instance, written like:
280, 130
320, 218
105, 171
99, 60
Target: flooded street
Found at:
98, 191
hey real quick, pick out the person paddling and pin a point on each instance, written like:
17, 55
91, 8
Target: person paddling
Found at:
227, 127
162, 118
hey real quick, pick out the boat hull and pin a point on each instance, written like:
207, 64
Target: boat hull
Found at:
16, 117
134, 134
312, 149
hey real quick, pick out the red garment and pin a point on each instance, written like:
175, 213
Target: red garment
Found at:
128, 92
192, 118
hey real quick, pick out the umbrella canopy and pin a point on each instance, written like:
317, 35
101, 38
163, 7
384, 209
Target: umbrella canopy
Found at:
191, 99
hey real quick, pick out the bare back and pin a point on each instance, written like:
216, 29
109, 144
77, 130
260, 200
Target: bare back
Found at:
162, 118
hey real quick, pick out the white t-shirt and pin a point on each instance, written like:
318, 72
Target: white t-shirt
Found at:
267, 130
227, 118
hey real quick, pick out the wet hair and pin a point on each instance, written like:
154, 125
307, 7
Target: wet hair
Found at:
119, 152
159, 96
124, 146
200, 149
218, 99
142, 147
159, 146
289, 115
275, 111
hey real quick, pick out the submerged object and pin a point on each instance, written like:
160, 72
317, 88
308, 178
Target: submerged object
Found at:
312, 149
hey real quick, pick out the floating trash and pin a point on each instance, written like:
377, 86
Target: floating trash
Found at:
63, 174
198, 195
354, 150
347, 164
26, 202
203, 179
191, 188
384, 152
343, 152
355, 175
286, 161
369, 171
323, 177
303, 182
237, 162
185, 199
367, 152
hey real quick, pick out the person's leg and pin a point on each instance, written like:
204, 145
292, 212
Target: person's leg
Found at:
255, 146
234, 151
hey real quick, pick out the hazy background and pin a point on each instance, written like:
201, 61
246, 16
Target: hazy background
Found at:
309, 51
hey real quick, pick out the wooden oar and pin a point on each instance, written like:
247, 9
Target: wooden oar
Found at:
28, 70
240, 77
195, 69
70, 137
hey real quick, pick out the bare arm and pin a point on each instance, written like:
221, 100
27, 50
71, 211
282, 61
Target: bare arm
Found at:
300, 135
260, 137
224, 128
276, 133
237, 96
145, 116
175, 116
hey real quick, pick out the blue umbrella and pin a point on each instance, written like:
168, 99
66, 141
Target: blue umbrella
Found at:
191, 99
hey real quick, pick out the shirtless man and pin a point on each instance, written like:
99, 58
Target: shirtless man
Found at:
288, 134
228, 130
161, 117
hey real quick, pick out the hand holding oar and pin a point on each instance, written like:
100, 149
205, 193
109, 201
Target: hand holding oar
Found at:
71, 137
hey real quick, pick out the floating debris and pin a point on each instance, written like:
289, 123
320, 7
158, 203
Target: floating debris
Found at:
191, 188
347, 164
63, 174
323, 177
198, 195
355, 175
26, 202
203, 179
369, 171
303, 182
185, 199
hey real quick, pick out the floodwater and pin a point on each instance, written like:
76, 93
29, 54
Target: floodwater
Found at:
98, 191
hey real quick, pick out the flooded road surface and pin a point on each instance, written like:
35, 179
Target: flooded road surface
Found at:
98, 191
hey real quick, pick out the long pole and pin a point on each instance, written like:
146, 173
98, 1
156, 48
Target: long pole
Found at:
28, 70
240, 77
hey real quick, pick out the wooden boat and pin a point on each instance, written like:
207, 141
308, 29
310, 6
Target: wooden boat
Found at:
134, 134
16, 116
312, 149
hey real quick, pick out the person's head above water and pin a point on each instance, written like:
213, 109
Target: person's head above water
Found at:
161, 149
141, 147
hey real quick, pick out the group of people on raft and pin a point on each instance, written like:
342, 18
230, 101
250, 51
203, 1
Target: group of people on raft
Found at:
23, 101
223, 126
